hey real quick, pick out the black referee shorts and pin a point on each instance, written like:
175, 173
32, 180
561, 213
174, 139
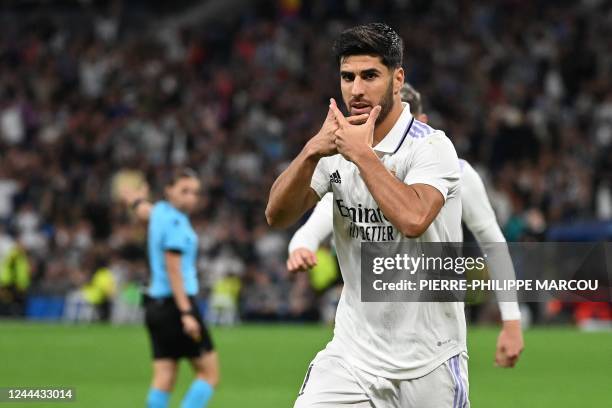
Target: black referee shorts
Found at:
168, 340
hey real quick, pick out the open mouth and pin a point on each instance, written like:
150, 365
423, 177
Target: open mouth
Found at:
359, 108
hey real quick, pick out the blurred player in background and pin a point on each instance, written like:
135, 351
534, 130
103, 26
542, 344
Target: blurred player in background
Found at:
477, 214
391, 354
174, 323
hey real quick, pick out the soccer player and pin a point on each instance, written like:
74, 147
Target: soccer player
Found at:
382, 354
174, 323
477, 214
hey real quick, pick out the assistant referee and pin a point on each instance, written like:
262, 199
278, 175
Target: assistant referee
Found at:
175, 326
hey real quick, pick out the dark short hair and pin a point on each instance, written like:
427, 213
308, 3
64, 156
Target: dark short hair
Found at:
181, 173
413, 97
371, 39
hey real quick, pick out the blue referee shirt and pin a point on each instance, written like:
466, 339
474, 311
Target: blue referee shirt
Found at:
170, 230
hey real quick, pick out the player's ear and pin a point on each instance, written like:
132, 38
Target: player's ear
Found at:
398, 80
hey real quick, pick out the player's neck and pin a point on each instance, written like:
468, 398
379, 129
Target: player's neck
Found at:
386, 125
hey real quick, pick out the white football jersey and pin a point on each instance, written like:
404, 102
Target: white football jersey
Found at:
392, 339
477, 214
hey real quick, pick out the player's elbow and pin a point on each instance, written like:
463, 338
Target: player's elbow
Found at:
270, 217
275, 218
413, 227
412, 231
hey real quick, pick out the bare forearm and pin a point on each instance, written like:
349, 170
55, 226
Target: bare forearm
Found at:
291, 195
399, 202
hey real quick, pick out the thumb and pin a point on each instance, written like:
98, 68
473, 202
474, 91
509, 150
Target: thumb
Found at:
374, 113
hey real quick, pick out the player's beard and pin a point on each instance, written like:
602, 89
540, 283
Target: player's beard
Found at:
386, 103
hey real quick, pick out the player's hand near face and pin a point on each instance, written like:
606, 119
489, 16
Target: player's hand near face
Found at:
509, 344
291, 194
351, 139
301, 259
191, 327
323, 141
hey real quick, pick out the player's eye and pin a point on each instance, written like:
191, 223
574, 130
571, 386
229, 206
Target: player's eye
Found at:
347, 77
370, 75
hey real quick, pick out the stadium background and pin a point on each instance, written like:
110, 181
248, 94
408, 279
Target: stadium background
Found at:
233, 89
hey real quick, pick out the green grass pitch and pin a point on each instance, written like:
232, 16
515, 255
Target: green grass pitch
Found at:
263, 366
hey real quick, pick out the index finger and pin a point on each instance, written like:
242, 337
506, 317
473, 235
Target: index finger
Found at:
330, 115
339, 116
311, 260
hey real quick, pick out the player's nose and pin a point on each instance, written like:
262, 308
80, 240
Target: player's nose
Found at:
357, 88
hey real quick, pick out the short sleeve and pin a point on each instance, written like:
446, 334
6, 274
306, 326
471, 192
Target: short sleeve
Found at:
175, 236
320, 179
435, 163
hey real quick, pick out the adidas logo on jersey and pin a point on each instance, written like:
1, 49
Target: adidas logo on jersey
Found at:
335, 177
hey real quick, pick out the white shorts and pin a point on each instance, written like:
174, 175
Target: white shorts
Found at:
331, 382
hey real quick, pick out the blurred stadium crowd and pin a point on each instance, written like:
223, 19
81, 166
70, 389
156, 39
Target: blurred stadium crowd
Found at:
523, 88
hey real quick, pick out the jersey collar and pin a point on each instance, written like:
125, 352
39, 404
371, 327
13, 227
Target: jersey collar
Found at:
394, 139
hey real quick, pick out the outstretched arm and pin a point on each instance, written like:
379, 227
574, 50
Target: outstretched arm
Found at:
479, 217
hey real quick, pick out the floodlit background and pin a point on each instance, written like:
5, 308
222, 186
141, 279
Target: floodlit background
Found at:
90, 89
